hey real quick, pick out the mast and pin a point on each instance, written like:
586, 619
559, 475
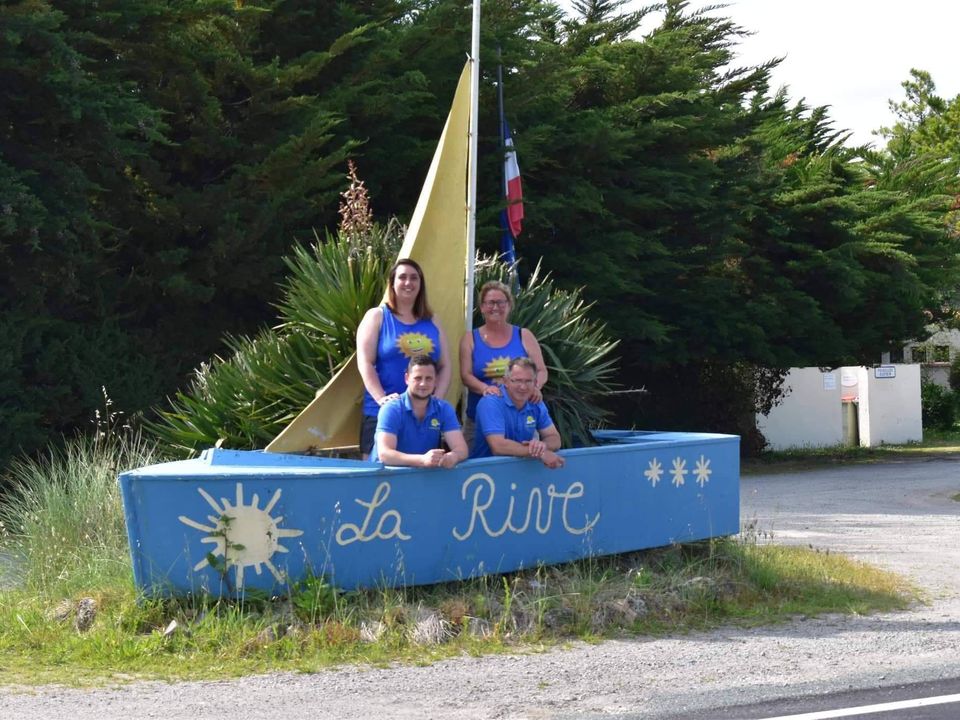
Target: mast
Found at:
500, 97
472, 164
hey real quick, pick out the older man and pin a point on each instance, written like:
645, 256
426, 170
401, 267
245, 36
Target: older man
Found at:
508, 424
410, 429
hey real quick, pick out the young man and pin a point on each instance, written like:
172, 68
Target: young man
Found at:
507, 424
410, 428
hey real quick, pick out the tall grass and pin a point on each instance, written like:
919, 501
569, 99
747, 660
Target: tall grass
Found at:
61, 524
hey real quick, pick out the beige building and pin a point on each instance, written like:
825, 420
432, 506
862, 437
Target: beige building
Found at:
934, 355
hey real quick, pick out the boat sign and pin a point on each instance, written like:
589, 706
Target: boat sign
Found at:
231, 520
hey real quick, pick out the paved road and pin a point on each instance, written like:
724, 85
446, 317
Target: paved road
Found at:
898, 515
939, 700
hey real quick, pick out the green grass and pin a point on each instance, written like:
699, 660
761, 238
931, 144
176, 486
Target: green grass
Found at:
653, 592
936, 443
63, 525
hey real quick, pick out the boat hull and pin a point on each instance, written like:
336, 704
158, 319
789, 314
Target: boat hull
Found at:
234, 520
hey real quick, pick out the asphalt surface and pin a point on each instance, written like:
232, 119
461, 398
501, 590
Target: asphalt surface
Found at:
900, 515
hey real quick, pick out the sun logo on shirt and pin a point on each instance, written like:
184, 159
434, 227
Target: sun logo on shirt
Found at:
434, 423
496, 367
414, 343
530, 420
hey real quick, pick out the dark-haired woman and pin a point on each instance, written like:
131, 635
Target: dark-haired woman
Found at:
389, 336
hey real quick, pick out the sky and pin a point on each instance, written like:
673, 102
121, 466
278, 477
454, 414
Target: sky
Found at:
849, 54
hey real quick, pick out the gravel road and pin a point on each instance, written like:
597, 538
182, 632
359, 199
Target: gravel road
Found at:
899, 515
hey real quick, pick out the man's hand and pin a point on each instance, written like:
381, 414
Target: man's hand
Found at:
432, 458
449, 460
538, 449
552, 460
535, 448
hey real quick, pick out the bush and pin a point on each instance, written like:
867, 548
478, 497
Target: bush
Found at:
938, 406
709, 396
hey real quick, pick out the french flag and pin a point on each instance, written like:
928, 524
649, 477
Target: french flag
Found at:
511, 184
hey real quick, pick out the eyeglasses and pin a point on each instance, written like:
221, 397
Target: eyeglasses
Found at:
520, 381
495, 303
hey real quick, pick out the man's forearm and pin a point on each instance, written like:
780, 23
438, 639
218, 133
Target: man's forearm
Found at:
461, 455
392, 456
395, 457
552, 442
511, 448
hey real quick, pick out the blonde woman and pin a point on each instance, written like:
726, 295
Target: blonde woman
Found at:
486, 352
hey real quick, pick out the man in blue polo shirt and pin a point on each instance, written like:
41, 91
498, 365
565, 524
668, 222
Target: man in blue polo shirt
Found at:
410, 428
508, 424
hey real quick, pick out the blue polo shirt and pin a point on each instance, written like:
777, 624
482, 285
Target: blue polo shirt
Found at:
497, 415
415, 436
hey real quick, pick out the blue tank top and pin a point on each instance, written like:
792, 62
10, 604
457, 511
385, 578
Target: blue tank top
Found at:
398, 343
490, 363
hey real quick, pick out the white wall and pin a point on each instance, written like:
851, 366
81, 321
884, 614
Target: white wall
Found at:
890, 407
810, 415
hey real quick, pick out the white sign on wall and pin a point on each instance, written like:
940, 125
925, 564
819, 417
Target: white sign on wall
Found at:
885, 371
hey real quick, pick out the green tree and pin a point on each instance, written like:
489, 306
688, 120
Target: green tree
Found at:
715, 223
926, 134
68, 140
154, 167
158, 160
926, 123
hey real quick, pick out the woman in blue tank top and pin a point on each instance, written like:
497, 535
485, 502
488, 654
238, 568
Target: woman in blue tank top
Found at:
389, 336
485, 352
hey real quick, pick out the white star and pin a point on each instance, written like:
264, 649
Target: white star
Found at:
653, 472
679, 470
702, 471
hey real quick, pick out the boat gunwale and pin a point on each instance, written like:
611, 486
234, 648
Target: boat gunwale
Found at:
213, 463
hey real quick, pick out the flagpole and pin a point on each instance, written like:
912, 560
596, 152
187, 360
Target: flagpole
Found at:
472, 163
500, 96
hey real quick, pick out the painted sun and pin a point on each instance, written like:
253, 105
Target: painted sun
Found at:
496, 368
243, 534
411, 344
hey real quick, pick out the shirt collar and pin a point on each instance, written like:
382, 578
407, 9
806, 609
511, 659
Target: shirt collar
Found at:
408, 404
508, 401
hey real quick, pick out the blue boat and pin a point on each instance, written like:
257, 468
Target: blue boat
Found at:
233, 520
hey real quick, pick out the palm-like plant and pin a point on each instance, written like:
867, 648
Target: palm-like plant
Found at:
246, 399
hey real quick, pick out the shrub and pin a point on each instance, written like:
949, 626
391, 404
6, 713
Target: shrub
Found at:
710, 396
938, 406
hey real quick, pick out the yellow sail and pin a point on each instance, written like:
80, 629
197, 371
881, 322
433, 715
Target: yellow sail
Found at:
437, 239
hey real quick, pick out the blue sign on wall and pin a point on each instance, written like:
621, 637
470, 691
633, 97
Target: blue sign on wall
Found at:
231, 520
